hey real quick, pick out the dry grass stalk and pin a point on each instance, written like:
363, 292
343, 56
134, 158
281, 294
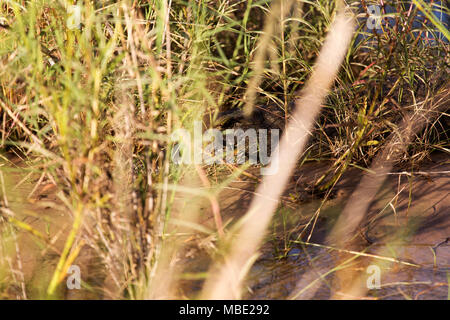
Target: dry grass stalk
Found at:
226, 277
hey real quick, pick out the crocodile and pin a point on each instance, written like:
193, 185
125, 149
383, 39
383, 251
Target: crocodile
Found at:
264, 117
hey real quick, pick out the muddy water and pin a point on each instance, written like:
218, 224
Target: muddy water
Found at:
409, 222
45, 223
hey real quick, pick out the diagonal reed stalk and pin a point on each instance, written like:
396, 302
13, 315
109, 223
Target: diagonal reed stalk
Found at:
226, 276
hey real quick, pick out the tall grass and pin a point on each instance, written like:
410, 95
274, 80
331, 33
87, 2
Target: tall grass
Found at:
92, 110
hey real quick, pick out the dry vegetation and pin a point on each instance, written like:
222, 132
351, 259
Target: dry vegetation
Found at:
86, 117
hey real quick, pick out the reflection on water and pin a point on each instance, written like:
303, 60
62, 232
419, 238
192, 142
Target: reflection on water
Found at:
275, 278
409, 222
411, 229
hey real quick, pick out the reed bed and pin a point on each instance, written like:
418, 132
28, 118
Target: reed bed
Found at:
90, 101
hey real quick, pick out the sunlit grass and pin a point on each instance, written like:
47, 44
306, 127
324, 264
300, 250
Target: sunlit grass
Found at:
92, 110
